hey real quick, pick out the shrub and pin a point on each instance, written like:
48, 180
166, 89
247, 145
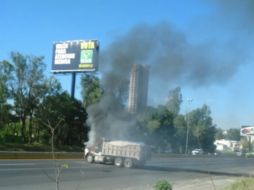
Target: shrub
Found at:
163, 185
9, 134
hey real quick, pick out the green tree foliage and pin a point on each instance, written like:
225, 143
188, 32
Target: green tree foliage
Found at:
28, 87
91, 90
38, 102
66, 115
174, 100
202, 129
5, 76
5, 108
233, 134
52, 87
19, 88
153, 125
230, 134
157, 125
180, 133
166, 130
163, 126
23, 82
219, 134
144, 125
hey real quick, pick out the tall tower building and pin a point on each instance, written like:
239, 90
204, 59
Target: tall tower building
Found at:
138, 88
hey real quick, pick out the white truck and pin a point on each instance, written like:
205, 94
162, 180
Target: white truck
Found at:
120, 153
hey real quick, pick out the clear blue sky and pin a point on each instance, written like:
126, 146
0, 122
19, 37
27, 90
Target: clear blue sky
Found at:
31, 26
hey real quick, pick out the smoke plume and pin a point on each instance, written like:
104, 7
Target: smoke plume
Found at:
172, 58
108, 119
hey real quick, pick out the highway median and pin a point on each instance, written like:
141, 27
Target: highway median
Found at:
39, 155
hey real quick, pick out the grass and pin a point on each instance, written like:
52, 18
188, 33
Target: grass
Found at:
243, 184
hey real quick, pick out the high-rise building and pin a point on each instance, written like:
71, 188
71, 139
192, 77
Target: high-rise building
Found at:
138, 88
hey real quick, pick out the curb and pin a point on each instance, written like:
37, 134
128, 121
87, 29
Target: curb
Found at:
217, 173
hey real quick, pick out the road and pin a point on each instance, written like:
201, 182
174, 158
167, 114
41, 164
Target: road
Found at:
181, 172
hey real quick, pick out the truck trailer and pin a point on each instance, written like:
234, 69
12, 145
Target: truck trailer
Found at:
120, 153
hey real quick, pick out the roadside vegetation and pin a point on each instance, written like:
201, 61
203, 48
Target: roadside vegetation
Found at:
243, 184
37, 147
34, 108
163, 185
30, 102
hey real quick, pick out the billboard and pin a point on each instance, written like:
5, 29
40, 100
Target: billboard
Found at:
75, 56
247, 130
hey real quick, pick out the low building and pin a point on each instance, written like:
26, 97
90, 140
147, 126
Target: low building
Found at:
227, 145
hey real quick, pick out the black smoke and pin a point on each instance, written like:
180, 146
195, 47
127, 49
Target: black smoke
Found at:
173, 59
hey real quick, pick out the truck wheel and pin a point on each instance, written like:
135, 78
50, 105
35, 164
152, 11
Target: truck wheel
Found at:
128, 163
90, 158
118, 162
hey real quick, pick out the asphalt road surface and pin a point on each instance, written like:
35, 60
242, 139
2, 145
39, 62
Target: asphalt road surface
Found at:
183, 173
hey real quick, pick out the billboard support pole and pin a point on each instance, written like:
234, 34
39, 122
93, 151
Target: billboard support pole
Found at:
73, 82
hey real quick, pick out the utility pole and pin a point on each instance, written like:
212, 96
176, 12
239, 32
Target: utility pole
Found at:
249, 142
187, 134
189, 100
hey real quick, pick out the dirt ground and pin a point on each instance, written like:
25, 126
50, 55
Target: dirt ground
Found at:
211, 183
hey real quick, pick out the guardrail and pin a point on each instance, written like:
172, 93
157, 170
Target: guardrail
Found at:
39, 155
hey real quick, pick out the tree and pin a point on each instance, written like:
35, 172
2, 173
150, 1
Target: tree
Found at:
146, 125
36, 90
19, 88
202, 129
180, 133
219, 134
52, 87
28, 88
233, 134
65, 117
163, 132
91, 90
5, 77
153, 125
174, 100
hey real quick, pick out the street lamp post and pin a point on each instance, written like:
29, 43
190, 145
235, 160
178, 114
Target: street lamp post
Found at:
189, 100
